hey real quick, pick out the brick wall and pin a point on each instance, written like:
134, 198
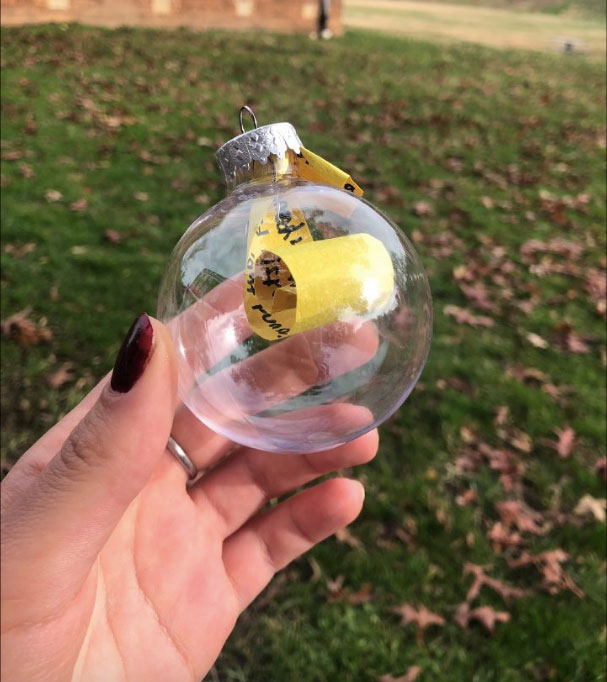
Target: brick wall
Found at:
274, 15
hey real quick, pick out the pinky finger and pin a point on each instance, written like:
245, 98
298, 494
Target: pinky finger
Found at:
271, 540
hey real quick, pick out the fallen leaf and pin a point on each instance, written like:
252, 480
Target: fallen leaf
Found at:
141, 196
591, 506
569, 340
566, 438
481, 579
421, 208
112, 236
64, 374
501, 538
52, 195
555, 579
19, 250
410, 676
485, 615
24, 331
79, 205
422, 618
464, 316
345, 537
478, 296
536, 340
466, 497
600, 466
514, 513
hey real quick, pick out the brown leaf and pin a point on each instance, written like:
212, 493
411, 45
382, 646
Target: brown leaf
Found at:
591, 506
112, 236
64, 374
24, 331
514, 514
478, 296
600, 466
79, 205
410, 676
52, 195
345, 537
19, 250
501, 538
481, 579
485, 615
421, 208
465, 498
569, 340
422, 618
465, 316
555, 579
566, 438
536, 340
141, 196
561, 247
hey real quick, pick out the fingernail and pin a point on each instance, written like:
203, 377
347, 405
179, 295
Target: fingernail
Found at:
133, 355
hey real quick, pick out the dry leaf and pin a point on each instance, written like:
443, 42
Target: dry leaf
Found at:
64, 374
466, 497
555, 579
478, 296
410, 676
52, 195
600, 466
19, 250
591, 506
536, 340
485, 615
422, 618
24, 331
465, 316
501, 538
421, 208
570, 341
345, 536
481, 579
79, 205
566, 437
112, 236
141, 196
514, 514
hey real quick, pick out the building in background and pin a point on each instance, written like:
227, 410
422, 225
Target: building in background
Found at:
273, 15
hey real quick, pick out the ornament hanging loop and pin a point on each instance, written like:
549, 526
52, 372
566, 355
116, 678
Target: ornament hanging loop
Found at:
251, 114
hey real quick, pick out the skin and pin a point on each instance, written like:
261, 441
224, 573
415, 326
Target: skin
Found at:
113, 569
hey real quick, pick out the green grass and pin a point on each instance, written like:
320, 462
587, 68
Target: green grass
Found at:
484, 137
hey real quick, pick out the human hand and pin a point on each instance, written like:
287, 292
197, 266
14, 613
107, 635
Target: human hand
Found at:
111, 568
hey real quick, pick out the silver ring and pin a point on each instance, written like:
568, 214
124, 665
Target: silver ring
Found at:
175, 449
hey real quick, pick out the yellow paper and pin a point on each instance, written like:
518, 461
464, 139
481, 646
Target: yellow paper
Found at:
316, 169
293, 283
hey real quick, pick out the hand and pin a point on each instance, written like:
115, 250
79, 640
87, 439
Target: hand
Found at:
111, 568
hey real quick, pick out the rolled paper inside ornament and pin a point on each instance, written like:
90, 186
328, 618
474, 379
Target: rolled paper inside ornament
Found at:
319, 283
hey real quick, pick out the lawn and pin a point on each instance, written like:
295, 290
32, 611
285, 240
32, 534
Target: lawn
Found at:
546, 27
493, 162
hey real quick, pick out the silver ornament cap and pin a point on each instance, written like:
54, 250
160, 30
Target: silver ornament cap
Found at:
237, 155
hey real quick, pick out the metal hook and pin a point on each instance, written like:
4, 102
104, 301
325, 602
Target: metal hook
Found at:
251, 114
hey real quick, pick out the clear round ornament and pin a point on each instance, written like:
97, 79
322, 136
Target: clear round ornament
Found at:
304, 343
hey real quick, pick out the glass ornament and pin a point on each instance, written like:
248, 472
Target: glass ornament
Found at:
301, 315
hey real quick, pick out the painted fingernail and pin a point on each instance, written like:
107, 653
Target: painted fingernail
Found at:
133, 355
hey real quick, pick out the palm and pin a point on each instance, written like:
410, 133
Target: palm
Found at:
164, 562
172, 577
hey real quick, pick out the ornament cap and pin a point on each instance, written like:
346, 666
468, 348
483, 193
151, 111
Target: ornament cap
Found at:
236, 156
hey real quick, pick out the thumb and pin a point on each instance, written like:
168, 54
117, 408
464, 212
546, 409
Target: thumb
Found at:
75, 503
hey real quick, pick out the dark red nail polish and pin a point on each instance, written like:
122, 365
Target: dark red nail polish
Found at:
133, 355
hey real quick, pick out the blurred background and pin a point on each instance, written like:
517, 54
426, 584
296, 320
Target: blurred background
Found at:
480, 129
